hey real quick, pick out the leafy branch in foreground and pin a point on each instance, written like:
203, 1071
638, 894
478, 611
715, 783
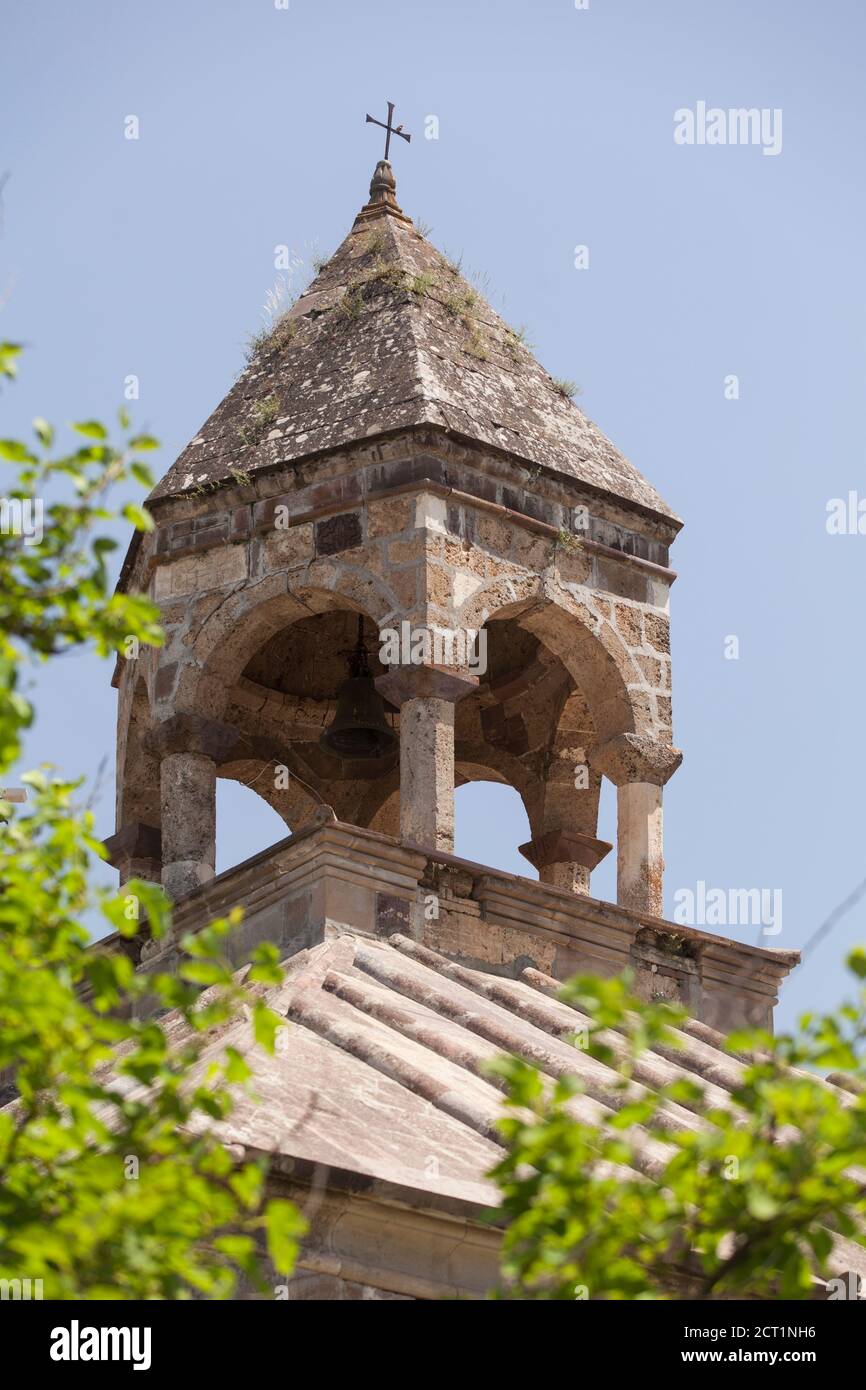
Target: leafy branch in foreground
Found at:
113, 1180
693, 1190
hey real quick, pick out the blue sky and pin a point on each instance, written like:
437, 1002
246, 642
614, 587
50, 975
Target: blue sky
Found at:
153, 257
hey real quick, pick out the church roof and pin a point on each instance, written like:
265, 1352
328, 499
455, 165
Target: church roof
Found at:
391, 336
382, 1070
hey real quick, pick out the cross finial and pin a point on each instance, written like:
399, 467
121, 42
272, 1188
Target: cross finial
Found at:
389, 128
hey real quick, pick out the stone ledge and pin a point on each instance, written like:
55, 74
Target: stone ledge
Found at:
337, 877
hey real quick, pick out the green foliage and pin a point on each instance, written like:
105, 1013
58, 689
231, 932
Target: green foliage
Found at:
273, 339
678, 1195
261, 417
568, 541
113, 1182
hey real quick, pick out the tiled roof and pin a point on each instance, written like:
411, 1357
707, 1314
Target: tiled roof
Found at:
390, 336
381, 1069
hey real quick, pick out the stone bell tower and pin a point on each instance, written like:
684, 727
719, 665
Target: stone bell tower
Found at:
397, 558
394, 451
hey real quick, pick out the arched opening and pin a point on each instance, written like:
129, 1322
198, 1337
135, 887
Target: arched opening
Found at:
490, 821
245, 824
282, 694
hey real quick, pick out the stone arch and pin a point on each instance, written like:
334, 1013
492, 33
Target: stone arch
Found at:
137, 790
571, 786
493, 765
294, 804
590, 649
380, 810
231, 635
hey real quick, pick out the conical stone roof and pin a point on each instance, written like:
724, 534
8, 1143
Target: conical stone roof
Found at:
390, 336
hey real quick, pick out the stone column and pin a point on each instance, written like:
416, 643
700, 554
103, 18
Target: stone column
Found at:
565, 858
426, 696
190, 748
639, 768
188, 793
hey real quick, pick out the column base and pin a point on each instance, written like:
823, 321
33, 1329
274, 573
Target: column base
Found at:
185, 876
565, 858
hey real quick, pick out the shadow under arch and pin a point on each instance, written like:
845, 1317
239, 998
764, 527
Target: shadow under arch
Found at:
138, 794
587, 645
249, 618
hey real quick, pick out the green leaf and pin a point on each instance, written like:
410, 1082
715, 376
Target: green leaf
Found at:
9, 353
91, 429
265, 1025
142, 474
284, 1228
139, 518
15, 451
856, 962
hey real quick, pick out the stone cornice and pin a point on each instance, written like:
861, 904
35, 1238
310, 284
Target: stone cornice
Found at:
489, 479
559, 921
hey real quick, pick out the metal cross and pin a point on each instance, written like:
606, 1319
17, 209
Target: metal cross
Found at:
391, 129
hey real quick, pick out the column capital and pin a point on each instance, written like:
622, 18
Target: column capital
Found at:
628, 758
403, 683
192, 733
135, 840
564, 847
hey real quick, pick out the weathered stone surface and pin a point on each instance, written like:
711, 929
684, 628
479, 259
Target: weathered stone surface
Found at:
427, 773
433, 474
658, 633
631, 758
640, 848
628, 622
388, 517
284, 549
337, 533
389, 336
188, 802
226, 564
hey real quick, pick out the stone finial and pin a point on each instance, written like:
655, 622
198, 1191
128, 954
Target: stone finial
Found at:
383, 185
627, 758
383, 196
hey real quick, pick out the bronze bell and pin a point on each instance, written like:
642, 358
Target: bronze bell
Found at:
359, 728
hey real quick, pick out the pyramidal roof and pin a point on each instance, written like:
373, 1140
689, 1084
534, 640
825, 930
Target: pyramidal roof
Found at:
387, 337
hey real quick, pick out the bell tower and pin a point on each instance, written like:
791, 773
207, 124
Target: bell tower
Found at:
396, 558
